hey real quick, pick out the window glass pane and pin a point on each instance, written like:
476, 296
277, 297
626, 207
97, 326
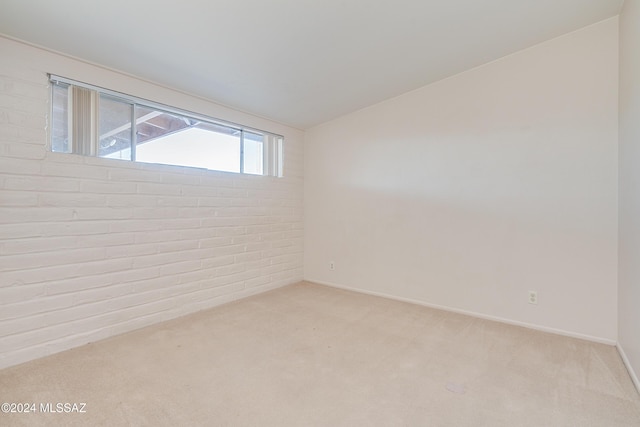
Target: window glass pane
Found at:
178, 140
253, 152
60, 119
115, 128
91, 121
152, 124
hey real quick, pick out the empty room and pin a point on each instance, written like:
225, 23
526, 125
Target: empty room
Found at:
320, 213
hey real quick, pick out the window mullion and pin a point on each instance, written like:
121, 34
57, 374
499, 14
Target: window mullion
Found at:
242, 151
95, 120
268, 155
84, 121
134, 133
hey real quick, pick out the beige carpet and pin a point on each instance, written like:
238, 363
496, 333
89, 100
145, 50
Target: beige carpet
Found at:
308, 355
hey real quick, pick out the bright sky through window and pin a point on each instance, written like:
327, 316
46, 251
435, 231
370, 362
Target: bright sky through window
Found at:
192, 147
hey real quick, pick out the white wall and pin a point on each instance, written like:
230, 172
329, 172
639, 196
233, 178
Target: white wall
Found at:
629, 266
471, 191
94, 247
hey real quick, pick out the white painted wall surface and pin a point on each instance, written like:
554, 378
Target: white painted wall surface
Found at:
90, 247
470, 192
629, 267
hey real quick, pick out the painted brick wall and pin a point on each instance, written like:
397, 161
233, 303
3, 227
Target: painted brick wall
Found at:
90, 247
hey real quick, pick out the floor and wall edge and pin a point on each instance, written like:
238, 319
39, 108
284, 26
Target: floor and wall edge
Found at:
65, 344
472, 314
627, 364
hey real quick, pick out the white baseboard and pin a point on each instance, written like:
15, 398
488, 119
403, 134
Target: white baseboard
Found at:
627, 364
472, 314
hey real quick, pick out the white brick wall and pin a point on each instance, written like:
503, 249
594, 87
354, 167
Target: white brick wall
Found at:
93, 247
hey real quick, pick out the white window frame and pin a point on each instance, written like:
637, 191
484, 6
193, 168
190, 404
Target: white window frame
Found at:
83, 124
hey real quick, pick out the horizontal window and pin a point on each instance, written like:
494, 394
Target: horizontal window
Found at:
97, 122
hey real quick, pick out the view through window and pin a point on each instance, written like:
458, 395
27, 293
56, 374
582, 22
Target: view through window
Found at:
91, 121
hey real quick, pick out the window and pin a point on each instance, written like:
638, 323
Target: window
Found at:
97, 122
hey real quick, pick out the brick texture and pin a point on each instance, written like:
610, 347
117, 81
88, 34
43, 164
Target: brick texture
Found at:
93, 247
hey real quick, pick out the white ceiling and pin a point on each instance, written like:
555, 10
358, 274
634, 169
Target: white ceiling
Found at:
299, 62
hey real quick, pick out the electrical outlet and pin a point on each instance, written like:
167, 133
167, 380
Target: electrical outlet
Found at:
533, 297
332, 265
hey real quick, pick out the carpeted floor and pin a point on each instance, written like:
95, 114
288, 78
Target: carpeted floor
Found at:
309, 355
